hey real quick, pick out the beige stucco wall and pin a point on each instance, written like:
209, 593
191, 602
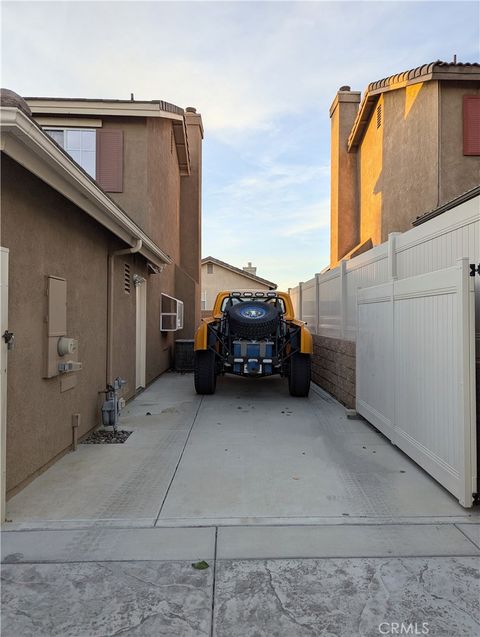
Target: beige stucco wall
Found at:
458, 173
169, 210
191, 228
167, 207
408, 166
370, 170
134, 198
344, 226
409, 181
398, 162
47, 235
151, 197
224, 279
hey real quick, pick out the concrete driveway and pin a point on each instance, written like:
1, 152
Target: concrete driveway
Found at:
311, 523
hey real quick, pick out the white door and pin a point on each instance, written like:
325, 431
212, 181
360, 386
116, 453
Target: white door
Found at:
3, 377
141, 331
416, 371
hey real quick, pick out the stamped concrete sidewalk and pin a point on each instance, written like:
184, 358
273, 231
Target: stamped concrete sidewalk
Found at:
312, 524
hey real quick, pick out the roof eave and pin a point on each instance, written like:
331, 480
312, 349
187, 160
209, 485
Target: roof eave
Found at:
105, 108
232, 268
434, 71
25, 142
363, 117
453, 203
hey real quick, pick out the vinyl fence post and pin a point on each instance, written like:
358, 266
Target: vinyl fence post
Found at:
317, 303
343, 298
392, 255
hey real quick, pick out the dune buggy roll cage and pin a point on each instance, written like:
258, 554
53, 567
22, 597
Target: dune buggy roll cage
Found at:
286, 338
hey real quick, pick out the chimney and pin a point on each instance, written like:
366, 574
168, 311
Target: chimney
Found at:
344, 215
249, 268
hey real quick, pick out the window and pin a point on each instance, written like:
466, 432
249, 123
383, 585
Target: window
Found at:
99, 153
171, 313
471, 125
209, 268
204, 299
80, 144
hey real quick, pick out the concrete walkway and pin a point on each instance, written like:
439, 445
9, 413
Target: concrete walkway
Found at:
312, 524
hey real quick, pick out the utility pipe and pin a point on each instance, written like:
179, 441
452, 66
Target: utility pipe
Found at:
110, 301
75, 425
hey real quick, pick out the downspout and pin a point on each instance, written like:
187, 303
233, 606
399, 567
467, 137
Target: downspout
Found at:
110, 301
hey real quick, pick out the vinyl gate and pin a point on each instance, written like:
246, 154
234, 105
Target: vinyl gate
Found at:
416, 371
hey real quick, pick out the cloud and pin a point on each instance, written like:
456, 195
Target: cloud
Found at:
263, 75
242, 64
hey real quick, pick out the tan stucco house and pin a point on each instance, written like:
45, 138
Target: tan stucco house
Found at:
409, 145
218, 275
100, 246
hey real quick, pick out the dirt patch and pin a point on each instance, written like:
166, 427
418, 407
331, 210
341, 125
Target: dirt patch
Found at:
104, 437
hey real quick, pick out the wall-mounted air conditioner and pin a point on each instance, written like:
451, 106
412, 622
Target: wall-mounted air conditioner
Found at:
171, 313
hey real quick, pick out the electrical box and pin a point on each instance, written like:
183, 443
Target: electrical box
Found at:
61, 350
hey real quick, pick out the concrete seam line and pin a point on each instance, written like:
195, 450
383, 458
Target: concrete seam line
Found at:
179, 460
345, 556
212, 616
252, 559
465, 535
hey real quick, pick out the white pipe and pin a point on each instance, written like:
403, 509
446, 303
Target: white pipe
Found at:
110, 301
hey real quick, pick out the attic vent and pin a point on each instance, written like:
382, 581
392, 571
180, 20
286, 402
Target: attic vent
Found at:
209, 268
126, 278
379, 115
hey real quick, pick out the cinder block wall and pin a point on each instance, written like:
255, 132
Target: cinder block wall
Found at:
333, 368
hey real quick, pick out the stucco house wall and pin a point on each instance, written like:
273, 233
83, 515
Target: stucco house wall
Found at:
163, 199
400, 156
224, 279
408, 149
134, 197
48, 235
189, 274
458, 172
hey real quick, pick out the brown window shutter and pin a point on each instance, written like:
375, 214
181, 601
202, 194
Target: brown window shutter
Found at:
110, 160
471, 125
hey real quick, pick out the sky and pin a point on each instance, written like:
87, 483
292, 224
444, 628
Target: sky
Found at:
263, 76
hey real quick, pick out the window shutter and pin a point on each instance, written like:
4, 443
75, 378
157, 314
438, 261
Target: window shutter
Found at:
110, 160
471, 125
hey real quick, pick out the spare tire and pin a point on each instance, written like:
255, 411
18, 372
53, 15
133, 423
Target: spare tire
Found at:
253, 319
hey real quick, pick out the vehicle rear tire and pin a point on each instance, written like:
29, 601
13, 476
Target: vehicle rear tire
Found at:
205, 377
253, 327
299, 377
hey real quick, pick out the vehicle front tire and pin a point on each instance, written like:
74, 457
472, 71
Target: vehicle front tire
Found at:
299, 377
205, 377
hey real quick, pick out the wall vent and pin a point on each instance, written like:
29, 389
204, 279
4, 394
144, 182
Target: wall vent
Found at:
127, 280
379, 115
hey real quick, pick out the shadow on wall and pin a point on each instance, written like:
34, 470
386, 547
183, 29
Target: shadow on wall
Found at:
399, 161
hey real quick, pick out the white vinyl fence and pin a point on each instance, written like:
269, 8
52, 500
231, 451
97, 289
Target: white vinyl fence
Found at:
416, 371
413, 310
328, 301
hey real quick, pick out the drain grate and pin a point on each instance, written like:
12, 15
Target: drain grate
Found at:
103, 437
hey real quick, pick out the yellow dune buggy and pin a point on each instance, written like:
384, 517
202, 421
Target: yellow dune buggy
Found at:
253, 334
